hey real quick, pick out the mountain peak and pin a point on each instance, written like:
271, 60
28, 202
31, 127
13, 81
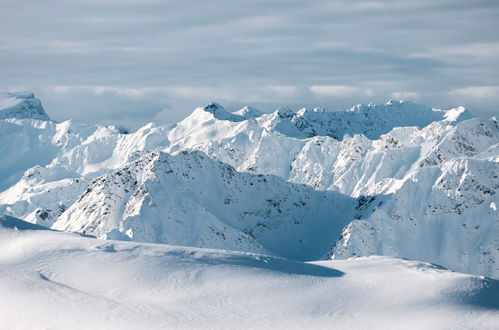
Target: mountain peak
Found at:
371, 120
213, 107
248, 112
21, 105
220, 113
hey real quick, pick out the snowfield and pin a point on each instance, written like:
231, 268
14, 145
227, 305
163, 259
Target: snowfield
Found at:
57, 280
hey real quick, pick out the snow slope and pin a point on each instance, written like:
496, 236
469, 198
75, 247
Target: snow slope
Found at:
60, 280
190, 199
427, 192
410, 181
30, 138
350, 163
453, 222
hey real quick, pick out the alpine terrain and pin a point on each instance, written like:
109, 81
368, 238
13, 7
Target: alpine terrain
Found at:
326, 214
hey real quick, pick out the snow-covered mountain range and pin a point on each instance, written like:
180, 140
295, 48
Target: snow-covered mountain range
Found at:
398, 179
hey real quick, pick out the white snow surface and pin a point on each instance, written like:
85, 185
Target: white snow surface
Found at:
57, 280
398, 179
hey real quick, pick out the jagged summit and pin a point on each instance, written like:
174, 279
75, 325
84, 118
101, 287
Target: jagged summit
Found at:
214, 108
248, 112
220, 113
412, 111
21, 105
371, 120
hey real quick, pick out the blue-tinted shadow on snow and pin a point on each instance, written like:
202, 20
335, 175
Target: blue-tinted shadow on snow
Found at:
486, 296
18, 224
14, 223
217, 258
272, 264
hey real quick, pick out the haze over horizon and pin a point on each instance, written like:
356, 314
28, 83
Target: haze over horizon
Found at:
131, 62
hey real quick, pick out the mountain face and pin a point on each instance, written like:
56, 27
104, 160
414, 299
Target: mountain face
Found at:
348, 165
21, 105
398, 179
369, 120
206, 203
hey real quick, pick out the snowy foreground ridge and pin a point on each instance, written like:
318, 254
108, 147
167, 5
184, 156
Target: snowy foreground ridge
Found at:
294, 191
57, 280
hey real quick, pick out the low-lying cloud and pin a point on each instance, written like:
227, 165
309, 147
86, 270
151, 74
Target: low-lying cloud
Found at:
131, 62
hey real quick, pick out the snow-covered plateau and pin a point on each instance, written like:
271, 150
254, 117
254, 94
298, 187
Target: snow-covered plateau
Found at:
377, 185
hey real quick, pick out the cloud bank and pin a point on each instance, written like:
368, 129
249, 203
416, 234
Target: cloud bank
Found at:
130, 61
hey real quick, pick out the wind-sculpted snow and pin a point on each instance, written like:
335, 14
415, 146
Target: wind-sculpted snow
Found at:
65, 281
398, 179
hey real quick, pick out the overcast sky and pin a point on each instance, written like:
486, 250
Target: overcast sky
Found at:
135, 61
